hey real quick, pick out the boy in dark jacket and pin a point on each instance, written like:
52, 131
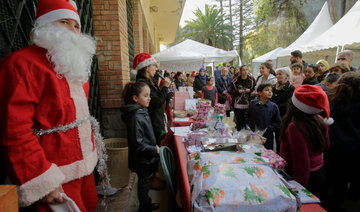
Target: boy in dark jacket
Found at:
264, 114
143, 151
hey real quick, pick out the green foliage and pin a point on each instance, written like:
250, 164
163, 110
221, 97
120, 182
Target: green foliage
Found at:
277, 24
209, 28
258, 26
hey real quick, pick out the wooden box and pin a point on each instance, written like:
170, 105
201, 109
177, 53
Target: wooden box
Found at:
8, 198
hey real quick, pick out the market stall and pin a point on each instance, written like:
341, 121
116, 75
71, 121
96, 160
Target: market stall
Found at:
238, 180
191, 55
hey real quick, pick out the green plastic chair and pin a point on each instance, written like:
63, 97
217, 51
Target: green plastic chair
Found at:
168, 165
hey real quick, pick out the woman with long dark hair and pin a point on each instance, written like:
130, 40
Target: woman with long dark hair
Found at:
146, 67
268, 75
241, 88
179, 81
304, 137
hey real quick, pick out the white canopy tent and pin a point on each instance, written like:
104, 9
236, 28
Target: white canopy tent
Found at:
321, 23
191, 55
343, 35
272, 55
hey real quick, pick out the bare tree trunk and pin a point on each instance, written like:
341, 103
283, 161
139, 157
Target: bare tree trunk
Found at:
221, 7
241, 30
231, 24
348, 5
230, 8
333, 11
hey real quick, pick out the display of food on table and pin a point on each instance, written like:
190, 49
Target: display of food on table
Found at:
243, 178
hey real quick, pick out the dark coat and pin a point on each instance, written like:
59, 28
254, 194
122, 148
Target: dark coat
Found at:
156, 107
282, 97
345, 131
343, 155
242, 100
322, 76
311, 81
222, 85
141, 138
198, 84
180, 83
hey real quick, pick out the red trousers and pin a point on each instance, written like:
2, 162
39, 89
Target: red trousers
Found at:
82, 191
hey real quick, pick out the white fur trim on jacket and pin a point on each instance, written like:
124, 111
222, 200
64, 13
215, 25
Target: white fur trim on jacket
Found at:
85, 166
40, 186
80, 168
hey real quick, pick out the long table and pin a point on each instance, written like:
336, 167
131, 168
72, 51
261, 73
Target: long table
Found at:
176, 144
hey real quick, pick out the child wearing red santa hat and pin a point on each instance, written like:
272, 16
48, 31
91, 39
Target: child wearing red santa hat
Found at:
304, 136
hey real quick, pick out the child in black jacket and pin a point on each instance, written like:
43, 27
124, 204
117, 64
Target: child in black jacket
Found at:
143, 151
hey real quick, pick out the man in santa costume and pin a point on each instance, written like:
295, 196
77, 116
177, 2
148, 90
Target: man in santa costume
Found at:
46, 132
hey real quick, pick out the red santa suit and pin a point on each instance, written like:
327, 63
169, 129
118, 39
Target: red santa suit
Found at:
34, 98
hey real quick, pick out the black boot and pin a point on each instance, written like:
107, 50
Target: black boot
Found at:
148, 207
155, 206
145, 207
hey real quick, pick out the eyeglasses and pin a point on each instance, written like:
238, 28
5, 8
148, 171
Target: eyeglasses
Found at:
341, 59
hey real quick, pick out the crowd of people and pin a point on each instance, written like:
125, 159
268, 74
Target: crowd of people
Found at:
299, 107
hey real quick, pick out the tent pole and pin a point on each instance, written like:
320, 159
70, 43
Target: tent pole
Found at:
337, 52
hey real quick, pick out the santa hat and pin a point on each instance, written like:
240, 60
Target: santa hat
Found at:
142, 60
49, 11
311, 99
193, 74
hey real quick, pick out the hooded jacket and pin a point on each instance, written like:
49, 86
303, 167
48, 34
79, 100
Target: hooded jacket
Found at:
141, 138
156, 107
198, 84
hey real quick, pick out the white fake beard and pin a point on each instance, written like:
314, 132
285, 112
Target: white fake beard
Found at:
71, 53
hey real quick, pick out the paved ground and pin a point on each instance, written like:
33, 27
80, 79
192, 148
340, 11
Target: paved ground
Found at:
126, 200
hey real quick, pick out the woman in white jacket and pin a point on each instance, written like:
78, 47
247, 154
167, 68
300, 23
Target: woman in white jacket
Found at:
267, 75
